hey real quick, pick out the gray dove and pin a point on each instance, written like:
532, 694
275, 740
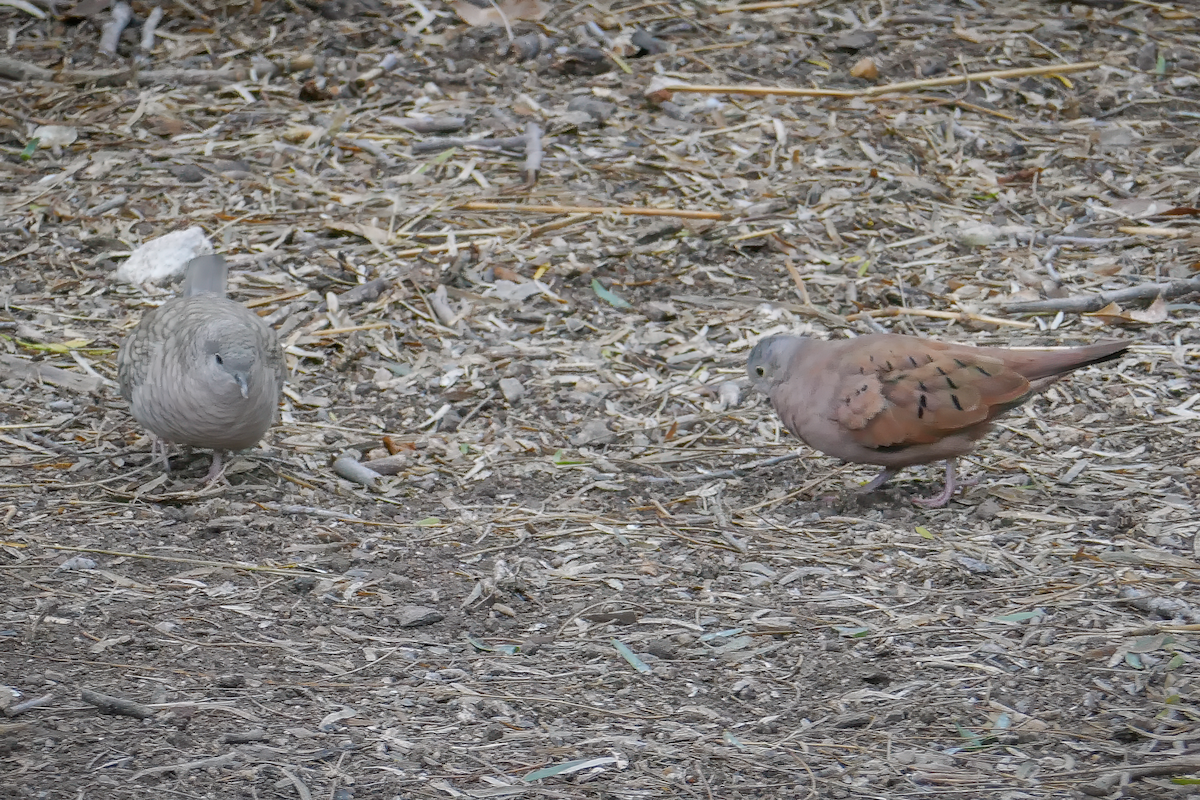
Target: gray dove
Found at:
897, 401
201, 369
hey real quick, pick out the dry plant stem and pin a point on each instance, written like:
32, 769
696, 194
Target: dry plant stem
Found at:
483, 205
958, 316
950, 80
122, 14
1137, 230
1095, 302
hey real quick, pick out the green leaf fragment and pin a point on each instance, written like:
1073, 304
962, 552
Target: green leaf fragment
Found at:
853, 633
608, 297
924, 532
568, 767
631, 657
30, 148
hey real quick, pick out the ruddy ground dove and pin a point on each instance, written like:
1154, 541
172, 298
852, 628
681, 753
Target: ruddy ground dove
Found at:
201, 369
897, 401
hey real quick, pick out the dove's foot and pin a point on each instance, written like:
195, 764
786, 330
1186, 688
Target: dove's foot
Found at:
158, 452
952, 483
879, 480
216, 472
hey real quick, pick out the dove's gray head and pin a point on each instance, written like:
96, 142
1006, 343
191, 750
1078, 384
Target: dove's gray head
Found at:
225, 359
769, 361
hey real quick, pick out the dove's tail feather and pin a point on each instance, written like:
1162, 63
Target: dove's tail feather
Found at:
205, 274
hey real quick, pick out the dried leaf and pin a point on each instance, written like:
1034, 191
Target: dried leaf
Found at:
1112, 314
371, 233
500, 13
865, 68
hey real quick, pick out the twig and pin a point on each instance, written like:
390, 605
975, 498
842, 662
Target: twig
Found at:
47, 373
352, 470
115, 77
28, 8
28, 705
735, 9
180, 560
637, 211
110, 36
959, 316
301, 789
533, 153
950, 80
226, 760
431, 124
16, 70
1095, 302
115, 705
434, 145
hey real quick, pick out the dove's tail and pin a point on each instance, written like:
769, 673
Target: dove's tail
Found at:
205, 274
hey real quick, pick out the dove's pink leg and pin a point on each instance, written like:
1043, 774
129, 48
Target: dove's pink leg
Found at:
214, 472
939, 500
879, 480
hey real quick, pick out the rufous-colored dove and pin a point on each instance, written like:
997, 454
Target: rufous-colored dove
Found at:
201, 369
897, 401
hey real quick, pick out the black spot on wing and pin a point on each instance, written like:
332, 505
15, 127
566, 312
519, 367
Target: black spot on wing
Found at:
983, 371
954, 399
951, 383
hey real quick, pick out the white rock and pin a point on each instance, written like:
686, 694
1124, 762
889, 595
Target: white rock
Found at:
55, 135
164, 257
512, 389
515, 292
978, 235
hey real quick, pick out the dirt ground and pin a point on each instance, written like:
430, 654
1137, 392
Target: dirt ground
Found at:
564, 589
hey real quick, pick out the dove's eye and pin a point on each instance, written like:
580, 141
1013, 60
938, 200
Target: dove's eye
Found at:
759, 370
220, 361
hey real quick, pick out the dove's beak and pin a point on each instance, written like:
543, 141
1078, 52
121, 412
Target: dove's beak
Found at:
240, 380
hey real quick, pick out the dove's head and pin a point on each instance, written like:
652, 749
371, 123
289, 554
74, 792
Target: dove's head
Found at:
227, 359
769, 361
